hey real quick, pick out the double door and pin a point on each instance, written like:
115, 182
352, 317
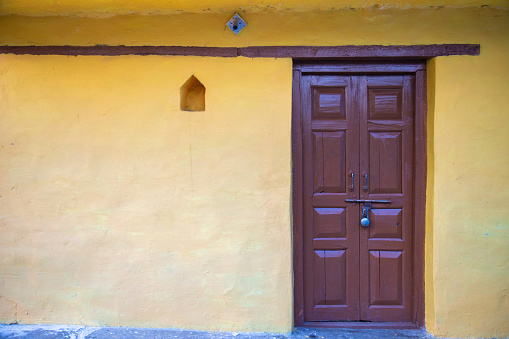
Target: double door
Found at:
357, 145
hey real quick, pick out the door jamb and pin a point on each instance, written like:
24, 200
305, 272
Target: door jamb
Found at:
417, 67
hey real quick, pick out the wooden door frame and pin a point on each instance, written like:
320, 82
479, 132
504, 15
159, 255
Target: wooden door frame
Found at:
418, 68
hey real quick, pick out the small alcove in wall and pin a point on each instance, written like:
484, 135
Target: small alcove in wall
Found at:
192, 95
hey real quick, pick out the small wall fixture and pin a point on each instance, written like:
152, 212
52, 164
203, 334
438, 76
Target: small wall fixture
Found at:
236, 24
192, 95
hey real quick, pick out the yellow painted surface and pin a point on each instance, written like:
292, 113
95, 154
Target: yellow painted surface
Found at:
348, 27
111, 175
471, 194
119, 209
429, 243
102, 8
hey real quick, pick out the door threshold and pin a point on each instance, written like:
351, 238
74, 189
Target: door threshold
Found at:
361, 325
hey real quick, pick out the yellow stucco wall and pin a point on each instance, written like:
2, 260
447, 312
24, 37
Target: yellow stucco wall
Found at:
127, 183
471, 194
120, 209
269, 27
104, 8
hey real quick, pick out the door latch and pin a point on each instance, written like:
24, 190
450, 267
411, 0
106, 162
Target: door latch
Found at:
368, 201
366, 206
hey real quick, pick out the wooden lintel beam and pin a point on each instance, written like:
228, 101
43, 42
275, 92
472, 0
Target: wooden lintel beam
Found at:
294, 52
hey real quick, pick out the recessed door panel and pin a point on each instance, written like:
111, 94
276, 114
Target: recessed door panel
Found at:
385, 168
329, 103
385, 275
329, 161
386, 223
385, 102
330, 277
329, 222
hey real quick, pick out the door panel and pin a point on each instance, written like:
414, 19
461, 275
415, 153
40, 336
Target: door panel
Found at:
357, 144
329, 150
329, 102
330, 277
385, 278
384, 162
329, 222
385, 223
384, 102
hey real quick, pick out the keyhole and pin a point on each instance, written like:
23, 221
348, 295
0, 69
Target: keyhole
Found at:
235, 28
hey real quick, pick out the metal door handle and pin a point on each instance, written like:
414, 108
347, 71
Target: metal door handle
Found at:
365, 182
350, 187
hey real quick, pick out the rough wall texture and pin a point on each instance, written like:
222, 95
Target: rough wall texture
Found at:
88, 201
105, 8
471, 194
120, 209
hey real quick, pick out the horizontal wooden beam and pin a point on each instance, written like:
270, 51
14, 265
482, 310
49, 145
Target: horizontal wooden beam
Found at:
120, 50
369, 51
295, 52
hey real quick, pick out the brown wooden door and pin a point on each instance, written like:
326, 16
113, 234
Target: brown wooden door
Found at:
357, 143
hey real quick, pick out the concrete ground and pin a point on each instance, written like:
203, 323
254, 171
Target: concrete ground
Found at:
85, 332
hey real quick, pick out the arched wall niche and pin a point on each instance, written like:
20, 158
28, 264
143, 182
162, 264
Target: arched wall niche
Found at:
192, 95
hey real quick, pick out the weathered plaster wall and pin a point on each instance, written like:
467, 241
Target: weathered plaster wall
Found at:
471, 193
119, 209
269, 27
468, 186
106, 8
